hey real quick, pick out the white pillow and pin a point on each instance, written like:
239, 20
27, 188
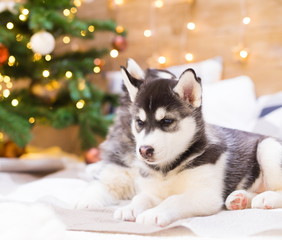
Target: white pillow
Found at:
231, 103
209, 70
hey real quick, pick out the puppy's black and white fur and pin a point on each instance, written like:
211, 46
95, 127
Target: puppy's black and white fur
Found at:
176, 165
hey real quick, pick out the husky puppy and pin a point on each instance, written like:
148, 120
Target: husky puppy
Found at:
177, 166
113, 177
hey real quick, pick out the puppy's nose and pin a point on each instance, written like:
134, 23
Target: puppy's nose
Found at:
146, 151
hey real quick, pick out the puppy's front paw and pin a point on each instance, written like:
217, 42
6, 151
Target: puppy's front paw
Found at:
237, 200
125, 213
154, 216
265, 200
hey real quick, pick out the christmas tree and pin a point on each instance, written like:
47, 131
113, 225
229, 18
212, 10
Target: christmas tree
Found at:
58, 91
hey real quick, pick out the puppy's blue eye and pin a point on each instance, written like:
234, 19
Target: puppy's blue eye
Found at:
166, 122
140, 123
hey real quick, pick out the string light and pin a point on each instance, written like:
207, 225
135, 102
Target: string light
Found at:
83, 33
6, 93
11, 61
80, 104
91, 28
158, 3
191, 26
81, 85
31, 120
10, 25
37, 57
22, 17
66, 12
19, 37
48, 57
244, 54
45, 73
66, 39
119, 2
15, 102
114, 53
119, 29
73, 10
96, 69
147, 33
68, 74
77, 3
246, 20
162, 60
189, 57
25, 11
28, 45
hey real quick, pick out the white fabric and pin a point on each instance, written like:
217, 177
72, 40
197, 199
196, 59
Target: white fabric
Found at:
231, 103
209, 70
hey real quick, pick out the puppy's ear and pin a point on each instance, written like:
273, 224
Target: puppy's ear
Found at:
189, 88
135, 70
132, 84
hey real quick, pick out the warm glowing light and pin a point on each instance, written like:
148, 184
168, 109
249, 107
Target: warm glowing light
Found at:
19, 37
66, 39
6, 93
162, 60
73, 10
119, 29
158, 3
189, 57
66, 12
83, 33
114, 53
244, 54
37, 57
97, 61
1, 136
11, 61
77, 3
191, 26
25, 11
96, 69
6, 79
28, 45
80, 104
68, 74
147, 33
48, 57
81, 85
15, 102
10, 25
246, 20
119, 2
31, 120
9, 85
91, 28
46, 73
22, 17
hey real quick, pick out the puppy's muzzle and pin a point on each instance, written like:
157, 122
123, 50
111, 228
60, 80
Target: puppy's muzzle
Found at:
146, 152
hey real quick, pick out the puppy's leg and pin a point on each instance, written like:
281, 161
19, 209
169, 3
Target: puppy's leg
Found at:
182, 206
270, 158
239, 199
139, 204
268, 200
112, 183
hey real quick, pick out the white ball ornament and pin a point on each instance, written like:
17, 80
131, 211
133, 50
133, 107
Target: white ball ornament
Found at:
42, 42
